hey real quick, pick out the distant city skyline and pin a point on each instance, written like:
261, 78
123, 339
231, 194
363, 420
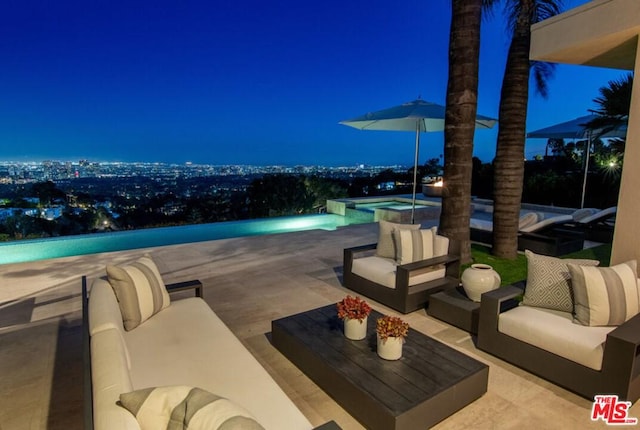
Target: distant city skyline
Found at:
250, 83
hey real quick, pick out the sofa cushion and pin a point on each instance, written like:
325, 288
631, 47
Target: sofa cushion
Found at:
110, 377
549, 282
104, 312
188, 344
555, 332
140, 290
605, 296
386, 246
182, 407
413, 245
383, 271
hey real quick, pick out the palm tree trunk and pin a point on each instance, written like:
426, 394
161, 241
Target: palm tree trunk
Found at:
462, 94
509, 161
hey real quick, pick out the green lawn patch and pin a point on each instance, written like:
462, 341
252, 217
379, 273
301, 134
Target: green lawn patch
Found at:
512, 271
601, 253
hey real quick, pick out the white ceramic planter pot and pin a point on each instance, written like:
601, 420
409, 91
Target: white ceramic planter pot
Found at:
478, 279
355, 329
390, 348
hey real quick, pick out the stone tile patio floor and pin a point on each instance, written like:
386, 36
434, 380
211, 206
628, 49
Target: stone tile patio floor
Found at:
248, 282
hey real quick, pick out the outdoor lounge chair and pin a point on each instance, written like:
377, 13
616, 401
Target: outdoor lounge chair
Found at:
549, 238
596, 226
482, 230
403, 287
541, 236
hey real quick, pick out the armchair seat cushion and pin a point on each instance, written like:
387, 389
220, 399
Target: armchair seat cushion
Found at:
555, 331
383, 271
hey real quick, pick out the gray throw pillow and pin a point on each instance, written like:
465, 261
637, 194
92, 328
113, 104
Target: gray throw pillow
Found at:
549, 281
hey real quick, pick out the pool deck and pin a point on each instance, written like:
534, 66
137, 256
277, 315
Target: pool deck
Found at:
248, 282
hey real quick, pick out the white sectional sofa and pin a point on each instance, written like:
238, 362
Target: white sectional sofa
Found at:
184, 344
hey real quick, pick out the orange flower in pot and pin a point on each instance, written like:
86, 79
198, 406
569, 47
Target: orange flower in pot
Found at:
354, 312
391, 332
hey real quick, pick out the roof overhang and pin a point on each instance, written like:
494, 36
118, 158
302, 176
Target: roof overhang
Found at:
601, 33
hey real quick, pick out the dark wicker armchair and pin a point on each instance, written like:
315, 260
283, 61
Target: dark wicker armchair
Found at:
404, 297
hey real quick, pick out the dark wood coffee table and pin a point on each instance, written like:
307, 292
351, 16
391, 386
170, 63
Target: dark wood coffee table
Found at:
429, 383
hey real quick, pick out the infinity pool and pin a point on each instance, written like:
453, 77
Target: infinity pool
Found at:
40, 249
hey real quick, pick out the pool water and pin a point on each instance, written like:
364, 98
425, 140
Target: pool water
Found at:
40, 249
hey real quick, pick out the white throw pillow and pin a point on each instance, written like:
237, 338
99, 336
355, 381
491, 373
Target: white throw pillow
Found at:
605, 296
413, 245
140, 291
183, 407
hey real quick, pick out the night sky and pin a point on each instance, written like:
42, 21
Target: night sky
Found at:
243, 82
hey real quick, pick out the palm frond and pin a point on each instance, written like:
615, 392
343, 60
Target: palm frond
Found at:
488, 7
615, 98
544, 9
542, 73
539, 11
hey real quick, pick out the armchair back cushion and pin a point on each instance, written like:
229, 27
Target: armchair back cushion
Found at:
140, 291
440, 244
549, 281
605, 296
386, 247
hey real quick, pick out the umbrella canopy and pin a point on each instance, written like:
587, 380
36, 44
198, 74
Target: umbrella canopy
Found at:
576, 129
418, 115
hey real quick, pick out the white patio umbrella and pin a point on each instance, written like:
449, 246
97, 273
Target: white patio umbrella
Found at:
418, 115
576, 129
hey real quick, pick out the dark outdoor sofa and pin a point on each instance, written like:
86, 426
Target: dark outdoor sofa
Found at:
620, 372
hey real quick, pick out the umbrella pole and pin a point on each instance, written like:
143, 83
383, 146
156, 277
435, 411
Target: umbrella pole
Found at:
415, 172
586, 169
